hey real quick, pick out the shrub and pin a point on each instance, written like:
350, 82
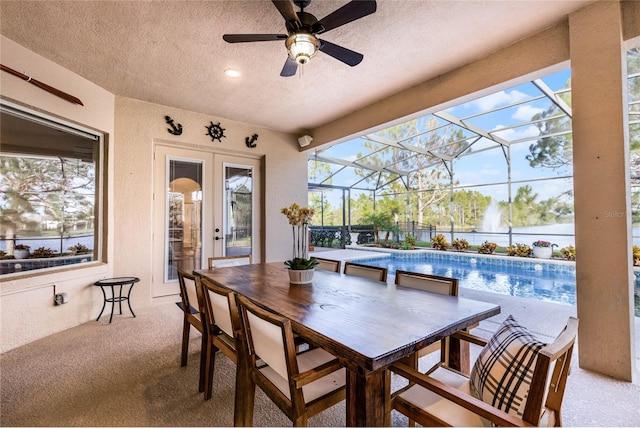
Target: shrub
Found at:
636, 255
22, 247
407, 246
79, 249
439, 242
520, 250
42, 252
409, 241
460, 244
569, 253
487, 247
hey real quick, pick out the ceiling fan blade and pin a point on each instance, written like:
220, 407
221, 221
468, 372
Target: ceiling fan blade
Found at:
290, 68
288, 12
241, 38
345, 55
351, 11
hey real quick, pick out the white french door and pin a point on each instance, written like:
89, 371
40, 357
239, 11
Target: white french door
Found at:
205, 205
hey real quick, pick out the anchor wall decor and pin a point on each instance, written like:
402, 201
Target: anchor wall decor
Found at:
251, 141
175, 129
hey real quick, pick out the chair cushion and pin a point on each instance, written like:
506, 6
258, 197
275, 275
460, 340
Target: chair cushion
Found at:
440, 407
307, 361
502, 374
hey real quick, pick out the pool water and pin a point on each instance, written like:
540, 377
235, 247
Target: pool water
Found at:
509, 278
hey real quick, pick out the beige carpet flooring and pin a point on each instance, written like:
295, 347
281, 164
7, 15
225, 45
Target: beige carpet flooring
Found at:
128, 374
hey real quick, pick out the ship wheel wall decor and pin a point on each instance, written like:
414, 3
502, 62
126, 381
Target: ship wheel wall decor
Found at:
215, 131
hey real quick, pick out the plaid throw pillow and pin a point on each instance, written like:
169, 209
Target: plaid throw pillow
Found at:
501, 376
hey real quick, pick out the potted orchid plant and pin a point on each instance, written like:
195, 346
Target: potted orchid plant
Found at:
301, 266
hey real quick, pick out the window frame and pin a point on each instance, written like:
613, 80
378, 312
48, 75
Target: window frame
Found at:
99, 159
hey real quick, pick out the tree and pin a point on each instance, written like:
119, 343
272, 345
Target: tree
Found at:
317, 199
359, 206
556, 151
33, 190
468, 207
380, 220
633, 68
428, 174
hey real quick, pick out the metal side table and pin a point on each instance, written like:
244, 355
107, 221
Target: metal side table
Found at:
112, 283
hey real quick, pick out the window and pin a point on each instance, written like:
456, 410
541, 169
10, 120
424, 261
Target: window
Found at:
49, 192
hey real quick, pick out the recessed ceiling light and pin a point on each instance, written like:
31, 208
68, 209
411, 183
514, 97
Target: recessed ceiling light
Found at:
229, 72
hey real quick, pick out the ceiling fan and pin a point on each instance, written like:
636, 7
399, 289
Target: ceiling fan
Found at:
303, 28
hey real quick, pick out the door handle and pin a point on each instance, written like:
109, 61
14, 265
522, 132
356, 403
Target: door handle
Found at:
217, 238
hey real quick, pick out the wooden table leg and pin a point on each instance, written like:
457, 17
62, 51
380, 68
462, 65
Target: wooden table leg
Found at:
366, 399
459, 355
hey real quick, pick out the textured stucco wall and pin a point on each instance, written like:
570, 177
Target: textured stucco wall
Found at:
26, 302
140, 125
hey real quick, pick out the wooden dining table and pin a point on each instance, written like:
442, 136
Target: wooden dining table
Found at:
368, 325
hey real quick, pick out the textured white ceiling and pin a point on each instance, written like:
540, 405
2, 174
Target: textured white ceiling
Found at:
172, 52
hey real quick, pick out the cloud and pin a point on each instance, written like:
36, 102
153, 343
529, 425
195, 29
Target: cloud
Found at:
513, 134
526, 112
494, 100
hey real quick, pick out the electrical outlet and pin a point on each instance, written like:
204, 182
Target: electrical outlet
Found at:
60, 298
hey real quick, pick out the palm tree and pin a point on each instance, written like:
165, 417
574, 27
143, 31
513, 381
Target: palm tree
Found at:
380, 220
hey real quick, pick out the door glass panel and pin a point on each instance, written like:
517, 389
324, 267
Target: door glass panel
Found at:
184, 215
238, 210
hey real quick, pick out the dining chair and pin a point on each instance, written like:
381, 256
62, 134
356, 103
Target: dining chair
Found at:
433, 284
300, 384
376, 273
328, 264
215, 262
222, 326
192, 317
516, 381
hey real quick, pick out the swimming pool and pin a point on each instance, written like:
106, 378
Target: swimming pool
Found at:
553, 281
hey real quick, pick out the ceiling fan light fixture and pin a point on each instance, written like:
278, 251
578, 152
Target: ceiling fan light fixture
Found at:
302, 47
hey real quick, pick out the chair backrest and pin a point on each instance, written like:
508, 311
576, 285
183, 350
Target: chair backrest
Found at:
220, 309
269, 338
521, 381
215, 262
550, 378
365, 271
190, 303
515, 372
328, 264
433, 284
423, 281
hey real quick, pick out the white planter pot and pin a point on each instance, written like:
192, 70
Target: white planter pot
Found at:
542, 252
21, 254
301, 276
354, 238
